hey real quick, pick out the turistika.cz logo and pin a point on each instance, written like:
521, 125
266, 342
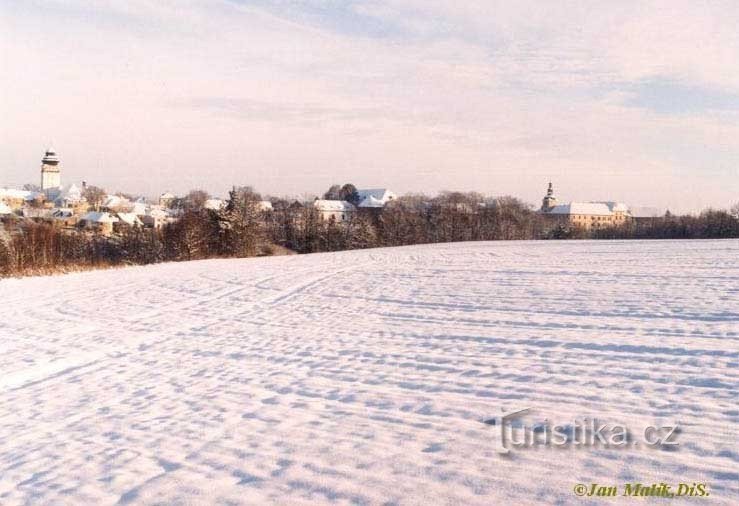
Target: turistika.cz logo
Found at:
512, 433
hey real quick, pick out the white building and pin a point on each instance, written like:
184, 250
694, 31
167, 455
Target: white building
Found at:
339, 210
98, 221
69, 196
139, 208
156, 217
166, 199
130, 219
15, 199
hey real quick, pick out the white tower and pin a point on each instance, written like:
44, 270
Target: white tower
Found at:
50, 171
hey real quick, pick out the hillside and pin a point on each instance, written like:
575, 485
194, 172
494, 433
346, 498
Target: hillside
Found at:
365, 376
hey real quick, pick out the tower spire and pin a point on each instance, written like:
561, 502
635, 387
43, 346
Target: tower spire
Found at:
550, 200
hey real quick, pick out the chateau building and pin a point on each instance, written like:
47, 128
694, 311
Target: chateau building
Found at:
585, 215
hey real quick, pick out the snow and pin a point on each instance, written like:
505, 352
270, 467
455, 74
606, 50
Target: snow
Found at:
129, 219
215, 204
586, 208
371, 201
333, 205
364, 376
376, 197
98, 217
12, 193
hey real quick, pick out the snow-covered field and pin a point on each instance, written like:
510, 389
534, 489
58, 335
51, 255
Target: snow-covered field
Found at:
363, 377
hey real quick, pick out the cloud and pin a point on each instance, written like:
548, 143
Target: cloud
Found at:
666, 96
624, 100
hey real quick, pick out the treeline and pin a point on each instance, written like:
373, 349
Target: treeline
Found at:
450, 217
243, 229
710, 224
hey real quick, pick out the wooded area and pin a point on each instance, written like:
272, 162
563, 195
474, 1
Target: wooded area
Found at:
241, 229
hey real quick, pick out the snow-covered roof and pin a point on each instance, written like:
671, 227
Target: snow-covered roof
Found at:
138, 208
5, 209
12, 193
70, 193
129, 218
115, 201
378, 193
73, 191
333, 205
214, 204
646, 212
265, 205
157, 212
99, 217
166, 195
371, 201
587, 208
382, 194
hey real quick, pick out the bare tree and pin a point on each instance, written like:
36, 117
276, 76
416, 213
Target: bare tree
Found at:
333, 193
94, 196
196, 199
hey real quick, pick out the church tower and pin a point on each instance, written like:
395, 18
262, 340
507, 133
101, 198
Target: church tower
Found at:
50, 171
549, 201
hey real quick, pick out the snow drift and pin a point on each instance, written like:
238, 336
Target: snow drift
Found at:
364, 377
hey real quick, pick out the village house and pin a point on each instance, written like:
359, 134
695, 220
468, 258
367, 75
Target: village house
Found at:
70, 196
138, 207
16, 199
65, 217
166, 199
339, 210
101, 222
156, 217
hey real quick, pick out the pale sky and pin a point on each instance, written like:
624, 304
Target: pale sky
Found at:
625, 100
